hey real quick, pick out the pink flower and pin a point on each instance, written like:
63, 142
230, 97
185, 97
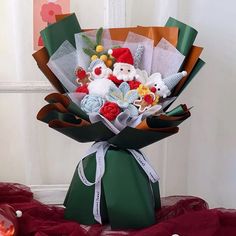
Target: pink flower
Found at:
48, 12
40, 41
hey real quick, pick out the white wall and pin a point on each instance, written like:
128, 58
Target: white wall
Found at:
212, 147
200, 160
31, 153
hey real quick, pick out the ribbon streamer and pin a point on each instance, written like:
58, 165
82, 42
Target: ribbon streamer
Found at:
100, 148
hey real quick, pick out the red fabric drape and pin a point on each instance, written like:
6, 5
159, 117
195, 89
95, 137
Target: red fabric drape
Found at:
185, 216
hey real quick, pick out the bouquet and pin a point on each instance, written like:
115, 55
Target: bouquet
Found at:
115, 89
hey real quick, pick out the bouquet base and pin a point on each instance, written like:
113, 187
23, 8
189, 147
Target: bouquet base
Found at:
128, 198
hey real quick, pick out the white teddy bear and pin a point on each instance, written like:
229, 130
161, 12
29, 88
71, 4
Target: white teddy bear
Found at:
161, 87
155, 81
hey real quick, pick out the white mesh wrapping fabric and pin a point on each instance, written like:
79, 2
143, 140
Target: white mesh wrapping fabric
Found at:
83, 59
133, 41
167, 59
123, 119
63, 63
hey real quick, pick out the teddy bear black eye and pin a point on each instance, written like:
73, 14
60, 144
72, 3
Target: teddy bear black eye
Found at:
155, 85
128, 70
158, 89
121, 69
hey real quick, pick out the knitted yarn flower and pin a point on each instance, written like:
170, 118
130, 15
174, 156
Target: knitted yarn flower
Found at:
123, 97
91, 103
143, 90
110, 110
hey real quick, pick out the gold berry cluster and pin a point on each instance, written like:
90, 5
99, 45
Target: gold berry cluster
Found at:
96, 50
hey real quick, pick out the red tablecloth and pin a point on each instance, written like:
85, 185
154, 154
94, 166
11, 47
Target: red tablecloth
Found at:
182, 215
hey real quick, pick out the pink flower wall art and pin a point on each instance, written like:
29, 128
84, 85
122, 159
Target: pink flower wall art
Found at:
45, 12
49, 11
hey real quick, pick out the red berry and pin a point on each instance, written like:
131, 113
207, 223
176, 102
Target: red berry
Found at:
148, 99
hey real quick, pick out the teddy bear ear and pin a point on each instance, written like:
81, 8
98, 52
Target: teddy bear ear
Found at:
153, 79
156, 76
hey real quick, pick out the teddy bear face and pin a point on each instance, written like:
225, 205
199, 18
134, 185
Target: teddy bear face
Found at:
161, 89
157, 85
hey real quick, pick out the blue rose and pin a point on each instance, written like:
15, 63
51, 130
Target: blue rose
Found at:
91, 103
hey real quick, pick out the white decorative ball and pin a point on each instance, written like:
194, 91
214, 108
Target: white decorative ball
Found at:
18, 213
110, 51
184, 73
100, 87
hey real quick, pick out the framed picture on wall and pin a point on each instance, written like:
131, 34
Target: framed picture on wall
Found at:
44, 13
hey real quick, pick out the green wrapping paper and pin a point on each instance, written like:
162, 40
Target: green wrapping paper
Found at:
200, 63
187, 35
54, 35
95, 132
128, 199
70, 106
186, 38
99, 132
143, 138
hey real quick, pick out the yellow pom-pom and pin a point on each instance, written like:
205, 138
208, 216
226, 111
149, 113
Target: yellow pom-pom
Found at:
143, 90
94, 57
99, 48
109, 63
103, 57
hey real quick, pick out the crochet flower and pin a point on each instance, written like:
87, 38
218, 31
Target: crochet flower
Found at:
49, 11
143, 90
91, 103
123, 97
110, 110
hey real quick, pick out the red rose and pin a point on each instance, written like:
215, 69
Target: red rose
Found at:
82, 89
148, 99
134, 84
110, 110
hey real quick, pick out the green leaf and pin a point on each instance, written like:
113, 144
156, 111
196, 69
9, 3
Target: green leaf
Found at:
99, 36
89, 52
89, 42
116, 46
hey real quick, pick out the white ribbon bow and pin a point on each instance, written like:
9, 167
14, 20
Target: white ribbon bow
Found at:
100, 148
